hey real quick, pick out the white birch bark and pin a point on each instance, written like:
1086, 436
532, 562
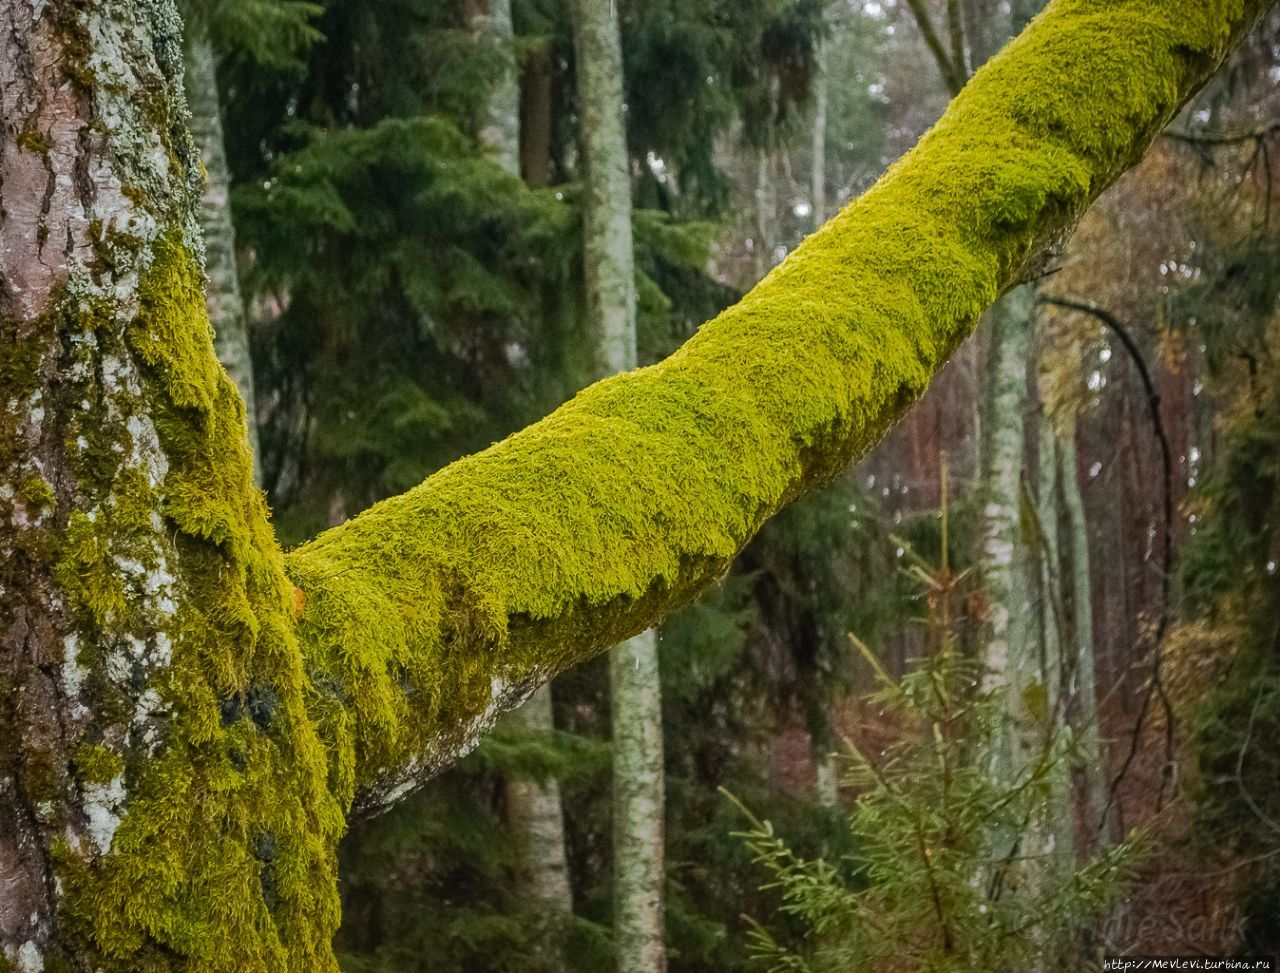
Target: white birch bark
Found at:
633, 668
222, 290
818, 174
536, 817
501, 129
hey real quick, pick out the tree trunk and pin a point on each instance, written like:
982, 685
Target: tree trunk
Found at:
500, 131
536, 818
185, 728
536, 119
1085, 688
1060, 812
635, 694
1008, 567
762, 249
222, 286
638, 872
163, 798
818, 174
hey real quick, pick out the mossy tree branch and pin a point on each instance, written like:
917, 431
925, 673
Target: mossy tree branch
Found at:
441, 607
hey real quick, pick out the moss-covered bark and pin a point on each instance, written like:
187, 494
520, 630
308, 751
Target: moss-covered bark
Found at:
163, 798
187, 730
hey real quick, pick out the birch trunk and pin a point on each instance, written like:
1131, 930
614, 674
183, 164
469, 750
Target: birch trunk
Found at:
818, 174
633, 666
535, 812
536, 817
1082, 664
1011, 656
1006, 567
500, 131
763, 247
222, 287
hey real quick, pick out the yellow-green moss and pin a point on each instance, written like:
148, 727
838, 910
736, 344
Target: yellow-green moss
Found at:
96, 763
34, 142
238, 766
524, 559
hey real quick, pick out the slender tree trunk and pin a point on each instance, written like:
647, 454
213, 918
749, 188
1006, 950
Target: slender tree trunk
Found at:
536, 119
1060, 813
1086, 690
500, 131
763, 246
633, 667
1010, 657
536, 817
637, 806
222, 290
818, 175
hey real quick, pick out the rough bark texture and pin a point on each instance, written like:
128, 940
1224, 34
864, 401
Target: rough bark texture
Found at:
186, 730
163, 798
638, 806
222, 286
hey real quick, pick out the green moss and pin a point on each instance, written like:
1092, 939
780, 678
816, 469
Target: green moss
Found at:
34, 142
36, 494
239, 756
432, 608
96, 763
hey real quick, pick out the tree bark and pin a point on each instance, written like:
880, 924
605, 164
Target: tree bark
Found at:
186, 730
635, 693
1054, 674
536, 817
818, 173
536, 119
500, 130
163, 790
765, 212
1007, 564
222, 286
1082, 662
638, 806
